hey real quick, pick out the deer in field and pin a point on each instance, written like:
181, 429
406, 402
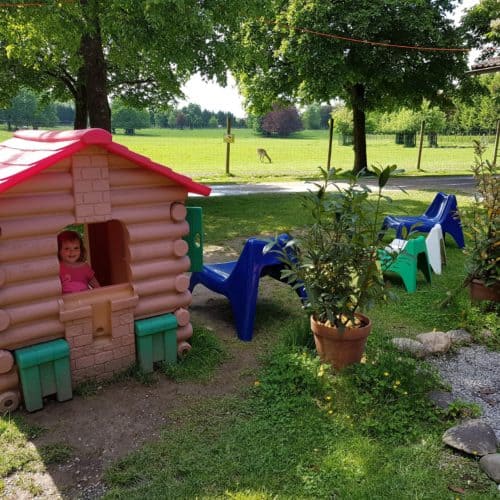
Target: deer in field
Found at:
262, 154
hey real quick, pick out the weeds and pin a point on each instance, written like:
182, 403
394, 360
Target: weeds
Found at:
92, 387
200, 362
482, 321
56, 453
459, 410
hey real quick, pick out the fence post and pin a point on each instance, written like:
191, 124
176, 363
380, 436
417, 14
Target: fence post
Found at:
228, 143
497, 138
422, 127
330, 139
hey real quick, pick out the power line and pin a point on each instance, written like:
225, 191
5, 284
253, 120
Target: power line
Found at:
369, 42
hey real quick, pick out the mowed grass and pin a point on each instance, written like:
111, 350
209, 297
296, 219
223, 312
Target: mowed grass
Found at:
201, 154
228, 217
296, 431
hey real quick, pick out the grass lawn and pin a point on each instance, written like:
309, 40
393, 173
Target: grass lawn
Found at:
201, 154
298, 431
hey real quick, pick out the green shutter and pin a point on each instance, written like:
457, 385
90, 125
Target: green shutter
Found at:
195, 237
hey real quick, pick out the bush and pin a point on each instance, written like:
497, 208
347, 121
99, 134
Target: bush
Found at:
293, 373
282, 121
391, 395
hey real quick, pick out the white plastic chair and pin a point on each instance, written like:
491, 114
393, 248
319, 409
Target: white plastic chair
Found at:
436, 249
396, 245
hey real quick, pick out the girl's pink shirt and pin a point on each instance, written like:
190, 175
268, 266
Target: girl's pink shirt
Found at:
75, 279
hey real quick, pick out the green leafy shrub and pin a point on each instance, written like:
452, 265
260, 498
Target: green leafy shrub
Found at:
293, 372
482, 321
459, 410
390, 395
335, 257
481, 222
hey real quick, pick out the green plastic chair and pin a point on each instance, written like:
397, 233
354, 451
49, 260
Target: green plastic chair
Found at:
411, 258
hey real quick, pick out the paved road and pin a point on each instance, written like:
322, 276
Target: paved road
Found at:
452, 184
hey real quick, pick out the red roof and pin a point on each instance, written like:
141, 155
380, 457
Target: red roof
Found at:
31, 151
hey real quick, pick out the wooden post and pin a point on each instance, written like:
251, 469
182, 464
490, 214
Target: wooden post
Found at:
330, 139
497, 138
422, 128
228, 144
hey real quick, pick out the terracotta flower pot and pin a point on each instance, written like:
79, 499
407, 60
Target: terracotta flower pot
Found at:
478, 291
341, 348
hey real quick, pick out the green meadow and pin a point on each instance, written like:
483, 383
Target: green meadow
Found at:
201, 154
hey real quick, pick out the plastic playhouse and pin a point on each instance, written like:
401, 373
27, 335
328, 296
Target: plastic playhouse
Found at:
136, 228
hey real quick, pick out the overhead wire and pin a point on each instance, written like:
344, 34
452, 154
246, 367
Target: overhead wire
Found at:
383, 44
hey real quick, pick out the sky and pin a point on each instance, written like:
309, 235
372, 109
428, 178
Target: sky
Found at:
213, 97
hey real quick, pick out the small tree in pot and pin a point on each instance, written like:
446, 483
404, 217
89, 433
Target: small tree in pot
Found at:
481, 225
335, 260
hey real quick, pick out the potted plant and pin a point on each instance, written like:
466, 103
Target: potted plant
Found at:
481, 226
335, 260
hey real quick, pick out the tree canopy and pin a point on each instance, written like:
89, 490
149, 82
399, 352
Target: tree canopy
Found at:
140, 50
482, 25
27, 110
128, 118
291, 54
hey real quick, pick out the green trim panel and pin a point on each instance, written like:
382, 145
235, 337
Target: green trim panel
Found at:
194, 239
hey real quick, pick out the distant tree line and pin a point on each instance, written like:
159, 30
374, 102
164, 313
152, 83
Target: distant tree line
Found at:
475, 114
29, 109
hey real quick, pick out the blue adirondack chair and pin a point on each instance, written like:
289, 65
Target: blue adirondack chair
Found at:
443, 210
239, 280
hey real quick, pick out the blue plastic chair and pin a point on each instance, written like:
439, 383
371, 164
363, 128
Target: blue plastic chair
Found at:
239, 280
443, 210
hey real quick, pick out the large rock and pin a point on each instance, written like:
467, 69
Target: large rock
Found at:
491, 465
416, 349
435, 342
459, 336
473, 436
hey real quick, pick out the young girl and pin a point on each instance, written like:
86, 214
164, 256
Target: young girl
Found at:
76, 275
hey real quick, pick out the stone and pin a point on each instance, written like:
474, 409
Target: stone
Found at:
473, 437
435, 342
416, 349
491, 465
459, 336
441, 399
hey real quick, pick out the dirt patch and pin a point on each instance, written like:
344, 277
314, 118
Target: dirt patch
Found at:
122, 417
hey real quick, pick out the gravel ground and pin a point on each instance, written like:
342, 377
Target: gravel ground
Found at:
474, 375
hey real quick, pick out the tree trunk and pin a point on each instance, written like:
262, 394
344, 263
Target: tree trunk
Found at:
94, 65
357, 92
80, 97
80, 113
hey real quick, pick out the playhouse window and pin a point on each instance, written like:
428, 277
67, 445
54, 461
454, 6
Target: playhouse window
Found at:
106, 250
